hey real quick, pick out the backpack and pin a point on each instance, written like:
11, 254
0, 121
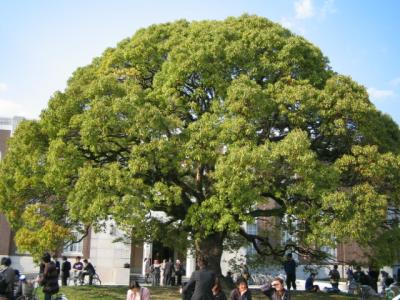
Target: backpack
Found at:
3, 283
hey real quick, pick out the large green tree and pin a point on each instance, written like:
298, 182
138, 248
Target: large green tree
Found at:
187, 130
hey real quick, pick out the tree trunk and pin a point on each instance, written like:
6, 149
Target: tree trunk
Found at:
211, 247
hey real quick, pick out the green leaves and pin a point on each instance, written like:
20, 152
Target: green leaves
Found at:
191, 129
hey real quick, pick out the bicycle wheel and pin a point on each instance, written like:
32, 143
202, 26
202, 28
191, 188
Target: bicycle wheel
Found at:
96, 280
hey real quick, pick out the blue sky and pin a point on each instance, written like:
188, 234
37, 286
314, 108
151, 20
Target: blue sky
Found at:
42, 42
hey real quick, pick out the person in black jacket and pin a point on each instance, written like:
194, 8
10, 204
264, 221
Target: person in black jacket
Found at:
168, 271
290, 269
203, 281
65, 270
88, 269
49, 279
275, 290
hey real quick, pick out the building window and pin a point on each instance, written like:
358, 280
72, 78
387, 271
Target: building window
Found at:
75, 248
251, 228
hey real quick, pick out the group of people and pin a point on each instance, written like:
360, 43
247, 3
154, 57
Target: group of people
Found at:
79, 270
13, 285
204, 284
166, 273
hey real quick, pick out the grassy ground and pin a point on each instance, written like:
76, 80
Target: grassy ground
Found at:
119, 293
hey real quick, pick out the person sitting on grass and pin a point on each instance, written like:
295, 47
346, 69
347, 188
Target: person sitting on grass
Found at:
241, 292
218, 293
276, 290
136, 292
310, 286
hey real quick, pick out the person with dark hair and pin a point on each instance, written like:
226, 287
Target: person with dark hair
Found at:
65, 269
77, 268
334, 277
241, 292
360, 277
229, 279
156, 272
168, 271
179, 272
203, 281
290, 269
147, 269
49, 279
58, 267
89, 270
310, 286
218, 292
136, 292
275, 290
373, 274
7, 279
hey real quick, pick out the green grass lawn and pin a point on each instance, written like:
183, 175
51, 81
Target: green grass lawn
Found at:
116, 293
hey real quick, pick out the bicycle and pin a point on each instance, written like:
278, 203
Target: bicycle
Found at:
28, 290
84, 279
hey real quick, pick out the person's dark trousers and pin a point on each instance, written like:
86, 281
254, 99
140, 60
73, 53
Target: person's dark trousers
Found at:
168, 279
64, 280
47, 296
178, 279
374, 285
291, 281
90, 277
335, 285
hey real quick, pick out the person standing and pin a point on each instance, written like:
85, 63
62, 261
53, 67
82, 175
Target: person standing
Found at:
156, 270
65, 270
178, 272
373, 274
147, 269
334, 277
203, 281
7, 274
57, 263
276, 290
162, 272
49, 279
290, 269
168, 271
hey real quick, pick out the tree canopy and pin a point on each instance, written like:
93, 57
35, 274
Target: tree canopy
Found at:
187, 130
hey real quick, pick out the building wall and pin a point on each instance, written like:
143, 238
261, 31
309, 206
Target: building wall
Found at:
109, 257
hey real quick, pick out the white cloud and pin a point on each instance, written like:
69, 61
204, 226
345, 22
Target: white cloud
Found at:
395, 82
304, 9
379, 94
3, 87
10, 108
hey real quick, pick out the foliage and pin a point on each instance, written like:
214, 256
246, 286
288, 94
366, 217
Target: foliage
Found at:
189, 129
